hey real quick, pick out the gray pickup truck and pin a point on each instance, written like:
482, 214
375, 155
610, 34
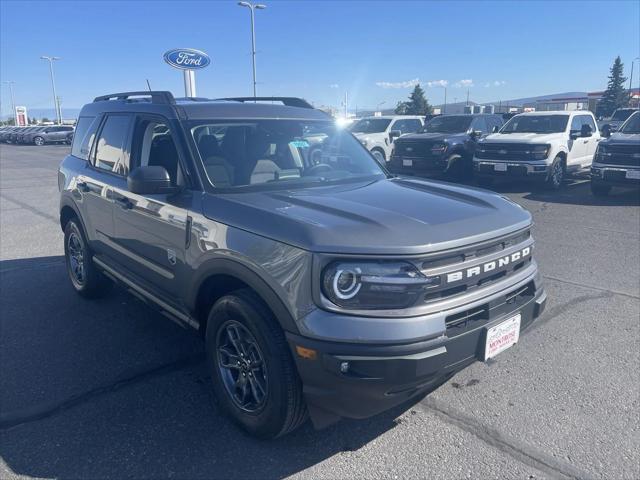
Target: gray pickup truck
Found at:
322, 285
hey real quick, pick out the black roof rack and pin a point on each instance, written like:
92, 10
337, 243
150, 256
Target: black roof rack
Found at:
287, 101
158, 96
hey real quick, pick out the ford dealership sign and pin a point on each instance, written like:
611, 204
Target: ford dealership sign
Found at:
186, 58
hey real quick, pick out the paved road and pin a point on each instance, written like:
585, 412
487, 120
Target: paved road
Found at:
110, 389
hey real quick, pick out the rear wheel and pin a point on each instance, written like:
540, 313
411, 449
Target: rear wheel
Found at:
455, 167
39, 141
600, 190
85, 278
254, 377
556, 174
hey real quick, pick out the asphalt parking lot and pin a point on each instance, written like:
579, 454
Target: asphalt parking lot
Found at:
111, 389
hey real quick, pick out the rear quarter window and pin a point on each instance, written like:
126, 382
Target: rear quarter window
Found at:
84, 136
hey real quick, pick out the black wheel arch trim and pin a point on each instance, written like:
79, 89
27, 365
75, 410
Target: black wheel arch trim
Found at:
65, 201
224, 266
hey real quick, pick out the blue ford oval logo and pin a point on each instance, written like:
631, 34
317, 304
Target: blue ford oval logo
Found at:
186, 58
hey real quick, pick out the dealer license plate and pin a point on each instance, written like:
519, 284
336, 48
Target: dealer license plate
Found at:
500, 167
407, 163
634, 174
502, 336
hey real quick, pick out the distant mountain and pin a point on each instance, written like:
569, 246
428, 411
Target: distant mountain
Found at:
522, 101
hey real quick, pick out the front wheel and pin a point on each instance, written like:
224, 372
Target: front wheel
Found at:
254, 377
39, 141
378, 155
600, 190
556, 175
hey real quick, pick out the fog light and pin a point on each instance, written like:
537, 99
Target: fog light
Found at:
539, 169
344, 367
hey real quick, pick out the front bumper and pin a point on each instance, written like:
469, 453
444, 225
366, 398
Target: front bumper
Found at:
497, 168
362, 380
615, 175
405, 165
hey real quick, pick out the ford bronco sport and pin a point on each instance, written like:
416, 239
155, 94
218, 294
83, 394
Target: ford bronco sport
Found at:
321, 284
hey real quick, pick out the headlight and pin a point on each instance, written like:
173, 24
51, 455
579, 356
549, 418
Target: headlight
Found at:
539, 152
364, 141
601, 152
375, 285
438, 148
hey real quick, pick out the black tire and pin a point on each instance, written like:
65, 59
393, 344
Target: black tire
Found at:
39, 141
85, 277
280, 409
379, 155
556, 175
600, 190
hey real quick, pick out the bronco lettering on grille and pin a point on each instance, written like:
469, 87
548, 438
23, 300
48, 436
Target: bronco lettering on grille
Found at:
493, 266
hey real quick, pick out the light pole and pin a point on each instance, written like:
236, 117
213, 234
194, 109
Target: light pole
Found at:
13, 101
379, 105
252, 7
56, 105
631, 80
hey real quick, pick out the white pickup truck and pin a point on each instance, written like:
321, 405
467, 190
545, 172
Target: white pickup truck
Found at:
538, 145
378, 133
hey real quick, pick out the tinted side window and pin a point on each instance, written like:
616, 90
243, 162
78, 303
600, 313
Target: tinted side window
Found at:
413, 125
153, 145
110, 152
576, 123
479, 123
588, 120
399, 125
83, 138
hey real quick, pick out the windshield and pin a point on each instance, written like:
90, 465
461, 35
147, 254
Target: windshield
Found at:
621, 114
448, 124
370, 125
632, 125
536, 124
285, 153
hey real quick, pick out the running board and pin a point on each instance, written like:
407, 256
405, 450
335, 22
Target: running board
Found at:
147, 297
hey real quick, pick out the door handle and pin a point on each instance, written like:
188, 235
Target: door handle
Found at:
82, 186
123, 201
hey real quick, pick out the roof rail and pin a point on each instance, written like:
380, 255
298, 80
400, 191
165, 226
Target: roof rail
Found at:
288, 101
157, 96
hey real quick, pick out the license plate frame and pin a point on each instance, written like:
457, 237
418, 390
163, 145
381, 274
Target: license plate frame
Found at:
633, 174
500, 167
502, 336
407, 162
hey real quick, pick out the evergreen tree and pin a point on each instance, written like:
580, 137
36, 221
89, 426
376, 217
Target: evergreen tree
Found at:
416, 105
615, 96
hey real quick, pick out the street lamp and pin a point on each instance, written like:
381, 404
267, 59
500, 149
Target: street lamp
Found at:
631, 80
252, 7
56, 105
13, 100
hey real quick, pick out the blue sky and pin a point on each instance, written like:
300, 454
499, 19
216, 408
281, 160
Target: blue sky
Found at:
373, 50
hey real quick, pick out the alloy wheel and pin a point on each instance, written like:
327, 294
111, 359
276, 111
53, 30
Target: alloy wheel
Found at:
75, 251
242, 367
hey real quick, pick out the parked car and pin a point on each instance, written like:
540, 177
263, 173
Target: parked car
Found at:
444, 146
377, 134
328, 288
617, 159
25, 132
609, 125
543, 146
50, 134
12, 137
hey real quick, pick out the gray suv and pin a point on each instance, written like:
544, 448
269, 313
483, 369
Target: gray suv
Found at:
52, 134
322, 285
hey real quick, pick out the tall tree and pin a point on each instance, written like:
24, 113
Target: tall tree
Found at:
615, 96
416, 105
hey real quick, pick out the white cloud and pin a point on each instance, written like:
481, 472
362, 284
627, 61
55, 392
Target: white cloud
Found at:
464, 83
407, 84
438, 83
495, 83
334, 85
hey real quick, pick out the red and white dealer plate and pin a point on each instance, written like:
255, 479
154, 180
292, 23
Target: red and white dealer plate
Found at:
502, 336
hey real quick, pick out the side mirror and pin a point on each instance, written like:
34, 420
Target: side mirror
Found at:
476, 134
149, 180
574, 134
495, 129
606, 131
394, 134
585, 131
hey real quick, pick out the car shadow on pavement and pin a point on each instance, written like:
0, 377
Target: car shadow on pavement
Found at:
112, 389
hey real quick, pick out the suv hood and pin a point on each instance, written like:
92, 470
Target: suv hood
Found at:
525, 137
622, 139
393, 216
431, 137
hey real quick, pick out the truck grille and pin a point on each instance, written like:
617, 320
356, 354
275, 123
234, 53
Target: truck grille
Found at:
621, 155
417, 149
503, 151
477, 266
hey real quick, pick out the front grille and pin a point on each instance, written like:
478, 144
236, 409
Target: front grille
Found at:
504, 151
615, 175
472, 318
621, 155
467, 269
418, 149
